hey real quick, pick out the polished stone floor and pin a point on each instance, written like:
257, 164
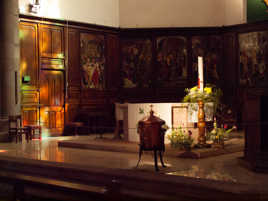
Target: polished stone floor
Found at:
225, 167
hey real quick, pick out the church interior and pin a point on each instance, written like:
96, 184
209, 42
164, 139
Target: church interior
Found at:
93, 93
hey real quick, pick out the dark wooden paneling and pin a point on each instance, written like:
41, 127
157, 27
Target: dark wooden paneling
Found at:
51, 41
45, 42
72, 110
230, 68
29, 67
54, 35
230, 55
256, 121
113, 62
28, 52
71, 24
73, 74
74, 71
57, 42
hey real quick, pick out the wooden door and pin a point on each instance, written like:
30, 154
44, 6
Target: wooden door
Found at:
29, 69
52, 101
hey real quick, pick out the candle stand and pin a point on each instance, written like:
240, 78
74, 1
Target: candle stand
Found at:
201, 125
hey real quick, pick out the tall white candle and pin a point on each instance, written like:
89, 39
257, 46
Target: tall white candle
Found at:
200, 74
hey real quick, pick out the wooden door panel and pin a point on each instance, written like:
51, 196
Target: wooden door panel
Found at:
52, 117
29, 67
28, 52
74, 74
51, 41
52, 100
30, 116
57, 44
45, 42
30, 106
51, 88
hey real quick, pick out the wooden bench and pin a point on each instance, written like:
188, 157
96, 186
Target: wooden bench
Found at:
26, 186
44, 180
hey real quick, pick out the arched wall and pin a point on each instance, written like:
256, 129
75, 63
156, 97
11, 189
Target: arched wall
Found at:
144, 14
101, 12
174, 13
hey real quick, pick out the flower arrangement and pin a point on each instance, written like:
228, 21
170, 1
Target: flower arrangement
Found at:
210, 94
217, 135
179, 139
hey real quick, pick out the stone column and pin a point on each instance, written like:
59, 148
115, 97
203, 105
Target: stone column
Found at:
9, 58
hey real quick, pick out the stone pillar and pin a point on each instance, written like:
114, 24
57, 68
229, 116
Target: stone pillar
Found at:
9, 58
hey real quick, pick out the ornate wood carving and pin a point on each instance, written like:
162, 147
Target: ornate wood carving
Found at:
92, 61
136, 64
171, 61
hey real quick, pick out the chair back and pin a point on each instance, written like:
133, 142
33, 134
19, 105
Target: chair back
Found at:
14, 121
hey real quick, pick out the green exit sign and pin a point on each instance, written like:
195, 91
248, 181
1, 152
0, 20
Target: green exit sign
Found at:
26, 79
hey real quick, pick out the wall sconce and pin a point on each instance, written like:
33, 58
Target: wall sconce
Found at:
34, 7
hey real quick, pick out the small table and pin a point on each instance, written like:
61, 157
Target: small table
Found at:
32, 131
75, 125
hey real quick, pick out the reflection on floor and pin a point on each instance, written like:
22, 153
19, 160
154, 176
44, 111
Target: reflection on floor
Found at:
224, 167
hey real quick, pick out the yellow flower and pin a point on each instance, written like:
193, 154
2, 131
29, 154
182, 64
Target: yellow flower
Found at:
214, 131
193, 89
208, 90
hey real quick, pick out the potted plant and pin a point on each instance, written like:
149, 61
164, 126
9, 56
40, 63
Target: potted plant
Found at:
219, 135
179, 139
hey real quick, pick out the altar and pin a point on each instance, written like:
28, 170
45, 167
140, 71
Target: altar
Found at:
175, 115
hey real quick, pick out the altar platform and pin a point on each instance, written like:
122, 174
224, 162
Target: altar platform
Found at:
107, 143
42, 166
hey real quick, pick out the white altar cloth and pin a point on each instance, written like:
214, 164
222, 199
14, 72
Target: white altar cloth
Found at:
131, 113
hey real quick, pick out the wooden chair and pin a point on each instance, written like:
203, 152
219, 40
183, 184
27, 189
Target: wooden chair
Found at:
32, 132
15, 128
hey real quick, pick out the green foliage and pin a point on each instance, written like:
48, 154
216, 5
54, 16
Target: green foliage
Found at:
219, 134
179, 139
141, 111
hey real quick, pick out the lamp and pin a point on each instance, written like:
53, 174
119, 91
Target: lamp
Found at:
34, 7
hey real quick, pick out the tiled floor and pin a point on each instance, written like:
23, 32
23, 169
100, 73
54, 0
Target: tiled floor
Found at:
224, 167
